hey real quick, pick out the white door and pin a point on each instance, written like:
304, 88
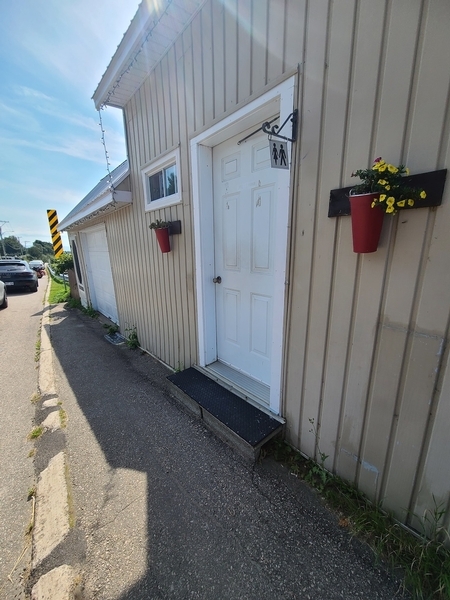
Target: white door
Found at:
245, 197
98, 266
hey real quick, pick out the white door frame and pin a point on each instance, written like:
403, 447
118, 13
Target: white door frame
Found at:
278, 100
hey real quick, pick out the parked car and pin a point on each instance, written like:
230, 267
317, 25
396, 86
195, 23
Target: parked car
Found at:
3, 296
38, 266
36, 263
18, 274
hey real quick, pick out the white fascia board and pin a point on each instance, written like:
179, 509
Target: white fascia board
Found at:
133, 38
101, 203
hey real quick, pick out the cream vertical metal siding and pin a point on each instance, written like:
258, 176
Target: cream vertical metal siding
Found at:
366, 353
216, 64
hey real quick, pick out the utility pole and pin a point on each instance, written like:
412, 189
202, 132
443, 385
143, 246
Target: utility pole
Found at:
1, 236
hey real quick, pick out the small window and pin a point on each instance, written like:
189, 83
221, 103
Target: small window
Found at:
160, 182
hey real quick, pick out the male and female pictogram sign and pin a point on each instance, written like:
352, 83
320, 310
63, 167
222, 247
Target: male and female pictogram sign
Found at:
278, 155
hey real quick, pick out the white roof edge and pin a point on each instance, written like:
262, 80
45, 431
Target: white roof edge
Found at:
120, 199
100, 196
121, 59
122, 54
134, 37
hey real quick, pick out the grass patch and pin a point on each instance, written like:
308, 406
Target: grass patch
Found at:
37, 346
59, 291
63, 417
35, 398
423, 559
35, 433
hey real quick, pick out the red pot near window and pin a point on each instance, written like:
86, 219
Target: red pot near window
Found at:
367, 223
162, 235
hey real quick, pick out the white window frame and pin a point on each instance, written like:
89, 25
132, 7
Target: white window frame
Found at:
168, 160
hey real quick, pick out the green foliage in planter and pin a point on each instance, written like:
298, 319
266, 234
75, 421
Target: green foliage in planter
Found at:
158, 224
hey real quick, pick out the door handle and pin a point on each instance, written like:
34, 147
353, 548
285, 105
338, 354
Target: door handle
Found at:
217, 279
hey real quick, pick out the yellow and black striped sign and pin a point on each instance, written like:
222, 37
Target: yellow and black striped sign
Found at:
56, 236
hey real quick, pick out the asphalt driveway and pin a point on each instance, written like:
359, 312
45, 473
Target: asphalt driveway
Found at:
169, 511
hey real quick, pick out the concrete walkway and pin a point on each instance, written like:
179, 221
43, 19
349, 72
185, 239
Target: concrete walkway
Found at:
151, 505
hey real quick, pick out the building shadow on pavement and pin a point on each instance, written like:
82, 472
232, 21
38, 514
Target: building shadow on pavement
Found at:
150, 481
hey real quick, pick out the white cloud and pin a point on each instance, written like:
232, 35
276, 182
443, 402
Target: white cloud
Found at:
51, 154
22, 90
76, 40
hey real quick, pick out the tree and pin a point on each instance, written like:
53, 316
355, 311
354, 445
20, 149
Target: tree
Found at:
63, 263
12, 245
47, 247
35, 252
41, 250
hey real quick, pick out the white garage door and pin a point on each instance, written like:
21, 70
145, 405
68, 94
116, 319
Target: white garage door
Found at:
98, 264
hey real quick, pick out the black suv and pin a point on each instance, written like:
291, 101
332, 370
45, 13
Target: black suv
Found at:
17, 274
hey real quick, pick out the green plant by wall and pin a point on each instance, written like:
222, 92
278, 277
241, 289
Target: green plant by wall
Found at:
74, 303
90, 311
112, 329
423, 558
132, 340
317, 474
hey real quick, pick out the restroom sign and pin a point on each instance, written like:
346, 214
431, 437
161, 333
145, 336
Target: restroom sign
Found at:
278, 155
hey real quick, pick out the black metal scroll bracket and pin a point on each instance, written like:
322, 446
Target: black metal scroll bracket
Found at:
275, 130
255, 132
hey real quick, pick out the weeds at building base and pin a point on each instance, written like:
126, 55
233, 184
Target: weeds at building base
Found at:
422, 558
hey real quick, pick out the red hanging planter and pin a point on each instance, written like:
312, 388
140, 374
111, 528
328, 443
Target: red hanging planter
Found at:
162, 235
367, 222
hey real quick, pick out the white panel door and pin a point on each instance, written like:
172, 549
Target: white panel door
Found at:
98, 264
244, 211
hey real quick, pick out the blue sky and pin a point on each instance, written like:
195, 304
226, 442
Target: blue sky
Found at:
53, 54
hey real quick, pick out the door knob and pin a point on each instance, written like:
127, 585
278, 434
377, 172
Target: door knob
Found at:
217, 279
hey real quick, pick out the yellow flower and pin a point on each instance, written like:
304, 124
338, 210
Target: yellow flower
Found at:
382, 168
423, 194
390, 201
406, 171
382, 182
392, 169
401, 203
410, 202
390, 209
388, 187
382, 197
373, 204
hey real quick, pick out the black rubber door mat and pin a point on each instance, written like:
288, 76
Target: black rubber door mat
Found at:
247, 421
